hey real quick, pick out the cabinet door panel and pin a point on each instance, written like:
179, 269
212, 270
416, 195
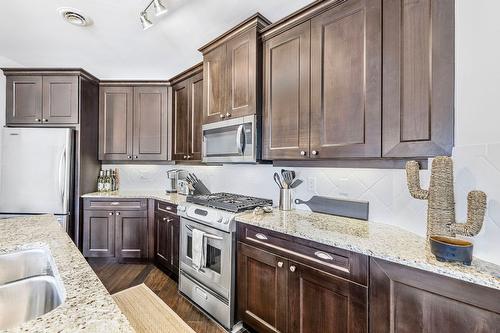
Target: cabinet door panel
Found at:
346, 81
60, 99
98, 234
173, 239
24, 99
214, 86
131, 234
418, 78
162, 248
115, 123
195, 117
286, 94
436, 303
150, 124
320, 302
241, 76
262, 288
180, 113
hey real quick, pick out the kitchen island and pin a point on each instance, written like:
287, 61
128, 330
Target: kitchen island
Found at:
88, 307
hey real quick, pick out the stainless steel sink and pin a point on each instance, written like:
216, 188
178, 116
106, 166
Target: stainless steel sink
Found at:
27, 299
22, 264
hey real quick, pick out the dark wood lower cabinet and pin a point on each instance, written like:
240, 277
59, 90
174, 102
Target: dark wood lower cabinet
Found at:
98, 234
262, 289
167, 241
407, 300
321, 302
131, 234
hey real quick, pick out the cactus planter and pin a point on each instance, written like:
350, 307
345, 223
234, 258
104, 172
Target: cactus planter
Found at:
441, 200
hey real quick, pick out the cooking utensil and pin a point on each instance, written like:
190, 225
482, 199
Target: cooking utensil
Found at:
346, 208
296, 183
277, 180
288, 176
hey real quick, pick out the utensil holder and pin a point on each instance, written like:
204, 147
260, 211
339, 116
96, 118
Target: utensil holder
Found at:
285, 199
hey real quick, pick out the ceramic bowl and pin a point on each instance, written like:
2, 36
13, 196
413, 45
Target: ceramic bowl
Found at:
451, 249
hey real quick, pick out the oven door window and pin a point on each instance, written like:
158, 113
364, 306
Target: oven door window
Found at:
213, 255
225, 141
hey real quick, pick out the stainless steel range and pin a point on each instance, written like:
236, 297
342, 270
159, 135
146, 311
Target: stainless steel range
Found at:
211, 286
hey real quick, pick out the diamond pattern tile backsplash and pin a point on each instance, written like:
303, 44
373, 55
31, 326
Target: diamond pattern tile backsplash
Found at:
476, 167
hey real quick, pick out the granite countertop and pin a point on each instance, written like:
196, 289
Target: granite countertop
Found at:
373, 239
88, 306
172, 198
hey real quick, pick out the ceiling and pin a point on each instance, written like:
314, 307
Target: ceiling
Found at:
115, 47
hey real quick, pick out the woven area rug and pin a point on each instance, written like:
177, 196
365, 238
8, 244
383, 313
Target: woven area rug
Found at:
146, 312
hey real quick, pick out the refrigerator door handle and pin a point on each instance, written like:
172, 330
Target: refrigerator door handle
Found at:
62, 178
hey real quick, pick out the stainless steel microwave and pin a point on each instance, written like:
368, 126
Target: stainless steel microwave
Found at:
231, 141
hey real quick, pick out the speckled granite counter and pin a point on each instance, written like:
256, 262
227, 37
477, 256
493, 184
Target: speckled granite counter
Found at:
172, 198
88, 306
373, 239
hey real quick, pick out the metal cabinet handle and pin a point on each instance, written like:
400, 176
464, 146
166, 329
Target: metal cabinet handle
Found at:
221, 116
168, 208
189, 157
185, 157
110, 213
136, 157
228, 115
129, 157
114, 203
45, 120
260, 236
37, 120
166, 219
303, 152
323, 255
280, 264
292, 268
314, 152
117, 213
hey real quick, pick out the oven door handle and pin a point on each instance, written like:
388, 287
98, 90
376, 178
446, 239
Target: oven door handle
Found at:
206, 235
239, 142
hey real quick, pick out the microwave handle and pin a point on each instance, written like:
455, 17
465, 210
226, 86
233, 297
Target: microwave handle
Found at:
239, 142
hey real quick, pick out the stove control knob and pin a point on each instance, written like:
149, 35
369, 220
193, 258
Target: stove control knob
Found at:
226, 221
220, 220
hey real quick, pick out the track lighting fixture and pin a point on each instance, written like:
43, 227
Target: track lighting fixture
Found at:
159, 9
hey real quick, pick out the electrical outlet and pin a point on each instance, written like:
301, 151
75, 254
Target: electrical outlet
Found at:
311, 184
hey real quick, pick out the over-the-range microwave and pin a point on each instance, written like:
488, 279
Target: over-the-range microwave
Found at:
231, 141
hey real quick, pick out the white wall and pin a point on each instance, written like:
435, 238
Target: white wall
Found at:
476, 155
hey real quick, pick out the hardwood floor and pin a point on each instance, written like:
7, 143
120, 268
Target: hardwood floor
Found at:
117, 277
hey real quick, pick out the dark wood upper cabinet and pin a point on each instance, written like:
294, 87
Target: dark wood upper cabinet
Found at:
286, 94
37, 96
320, 302
346, 81
231, 72
133, 122
408, 300
131, 234
150, 124
60, 99
418, 77
24, 99
262, 289
187, 114
116, 123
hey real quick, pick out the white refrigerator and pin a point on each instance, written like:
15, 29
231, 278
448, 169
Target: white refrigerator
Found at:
36, 172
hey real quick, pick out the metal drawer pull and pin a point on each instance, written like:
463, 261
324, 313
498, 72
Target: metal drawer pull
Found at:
118, 213
110, 213
114, 203
201, 293
167, 219
292, 268
260, 236
168, 208
280, 264
323, 255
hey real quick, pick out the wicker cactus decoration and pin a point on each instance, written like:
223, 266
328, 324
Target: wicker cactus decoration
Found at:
441, 200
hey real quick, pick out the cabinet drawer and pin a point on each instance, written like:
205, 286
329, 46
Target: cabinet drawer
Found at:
121, 204
165, 207
343, 263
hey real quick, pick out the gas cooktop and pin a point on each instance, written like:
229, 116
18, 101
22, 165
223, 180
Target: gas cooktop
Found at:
229, 201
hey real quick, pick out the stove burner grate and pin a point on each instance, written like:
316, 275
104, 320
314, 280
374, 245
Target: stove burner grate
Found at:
229, 201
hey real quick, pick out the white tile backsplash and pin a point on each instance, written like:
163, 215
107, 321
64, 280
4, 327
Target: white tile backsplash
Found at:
476, 167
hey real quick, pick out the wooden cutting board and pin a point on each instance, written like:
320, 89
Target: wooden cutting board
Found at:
339, 207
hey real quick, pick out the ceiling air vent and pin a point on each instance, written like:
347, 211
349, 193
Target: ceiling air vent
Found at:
74, 17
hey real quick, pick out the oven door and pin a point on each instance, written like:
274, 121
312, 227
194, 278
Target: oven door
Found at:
231, 141
216, 274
